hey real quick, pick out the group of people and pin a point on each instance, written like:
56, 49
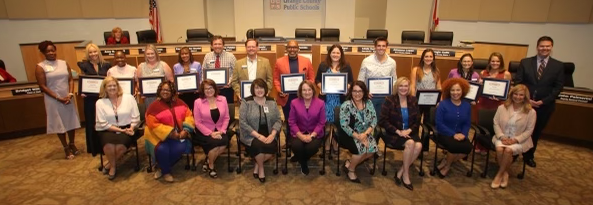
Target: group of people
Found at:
173, 119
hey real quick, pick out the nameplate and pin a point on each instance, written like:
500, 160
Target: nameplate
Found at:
265, 48
366, 49
305, 48
404, 51
444, 53
26, 91
192, 49
575, 98
160, 50
230, 48
112, 52
347, 49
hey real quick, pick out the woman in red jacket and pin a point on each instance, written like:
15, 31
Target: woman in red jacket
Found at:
5, 77
117, 37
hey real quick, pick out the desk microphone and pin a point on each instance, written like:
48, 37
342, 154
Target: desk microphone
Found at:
180, 37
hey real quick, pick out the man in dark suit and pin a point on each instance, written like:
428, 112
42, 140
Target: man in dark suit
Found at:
544, 76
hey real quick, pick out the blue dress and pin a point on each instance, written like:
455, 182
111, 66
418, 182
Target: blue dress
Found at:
331, 101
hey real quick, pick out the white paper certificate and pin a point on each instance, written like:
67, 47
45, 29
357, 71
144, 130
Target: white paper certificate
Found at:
495, 88
91, 85
334, 83
380, 86
219, 76
472, 94
291, 82
126, 86
428, 98
186, 82
245, 89
149, 86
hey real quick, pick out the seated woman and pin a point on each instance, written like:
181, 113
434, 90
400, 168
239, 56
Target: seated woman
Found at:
513, 124
5, 77
260, 123
211, 114
358, 119
121, 69
307, 123
168, 123
453, 119
400, 118
117, 116
117, 37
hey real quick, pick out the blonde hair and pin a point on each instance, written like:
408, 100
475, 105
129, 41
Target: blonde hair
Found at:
517, 88
114, 30
153, 48
92, 45
103, 90
398, 82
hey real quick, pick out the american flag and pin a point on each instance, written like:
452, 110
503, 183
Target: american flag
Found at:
435, 18
154, 19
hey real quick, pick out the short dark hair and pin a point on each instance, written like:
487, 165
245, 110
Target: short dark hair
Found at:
381, 38
365, 91
545, 38
328, 58
460, 67
251, 39
211, 83
260, 83
2, 65
191, 57
171, 86
216, 37
44, 44
310, 84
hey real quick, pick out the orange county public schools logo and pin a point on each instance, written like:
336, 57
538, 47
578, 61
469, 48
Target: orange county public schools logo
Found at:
275, 4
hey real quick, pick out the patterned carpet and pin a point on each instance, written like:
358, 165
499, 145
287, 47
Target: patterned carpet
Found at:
33, 171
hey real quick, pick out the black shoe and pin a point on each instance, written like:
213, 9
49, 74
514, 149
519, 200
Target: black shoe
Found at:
262, 180
294, 159
530, 162
355, 180
397, 180
212, 173
112, 177
408, 186
441, 175
304, 168
255, 175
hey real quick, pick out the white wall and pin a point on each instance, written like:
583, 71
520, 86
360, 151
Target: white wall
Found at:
15, 32
416, 13
248, 15
221, 17
179, 15
572, 42
285, 21
339, 14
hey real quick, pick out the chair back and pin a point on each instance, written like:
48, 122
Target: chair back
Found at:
329, 34
264, 32
198, 35
480, 64
412, 37
376, 33
309, 34
231, 112
337, 123
107, 34
568, 71
441, 38
513, 68
486, 119
146, 36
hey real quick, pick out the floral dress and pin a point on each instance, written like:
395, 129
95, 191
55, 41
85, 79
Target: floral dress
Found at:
354, 120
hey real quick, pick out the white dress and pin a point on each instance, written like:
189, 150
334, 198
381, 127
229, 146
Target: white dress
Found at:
60, 118
509, 130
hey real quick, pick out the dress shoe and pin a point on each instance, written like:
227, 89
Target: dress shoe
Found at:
408, 186
262, 180
304, 168
530, 162
504, 182
168, 178
494, 185
255, 175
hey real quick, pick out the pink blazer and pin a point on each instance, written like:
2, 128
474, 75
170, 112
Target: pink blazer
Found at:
203, 118
523, 126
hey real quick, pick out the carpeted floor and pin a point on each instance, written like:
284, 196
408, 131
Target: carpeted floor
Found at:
33, 171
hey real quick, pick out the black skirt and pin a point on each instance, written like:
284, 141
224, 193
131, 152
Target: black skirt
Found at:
258, 147
454, 146
108, 137
208, 143
397, 142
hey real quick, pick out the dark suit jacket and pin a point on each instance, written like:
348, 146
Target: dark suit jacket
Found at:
549, 86
391, 118
87, 68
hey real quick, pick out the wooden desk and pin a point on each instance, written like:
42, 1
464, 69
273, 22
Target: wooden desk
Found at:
510, 51
571, 119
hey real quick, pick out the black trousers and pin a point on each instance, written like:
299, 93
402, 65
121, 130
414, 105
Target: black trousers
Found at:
304, 151
543, 116
92, 140
229, 94
425, 110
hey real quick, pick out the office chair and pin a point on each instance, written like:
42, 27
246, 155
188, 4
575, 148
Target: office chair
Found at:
412, 37
383, 132
107, 34
329, 34
146, 36
484, 133
513, 68
288, 139
340, 135
376, 33
198, 35
249, 34
309, 34
264, 33
444, 38
480, 64
568, 71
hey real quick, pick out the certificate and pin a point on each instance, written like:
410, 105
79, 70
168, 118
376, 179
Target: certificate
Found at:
290, 82
428, 97
474, 90
127, 85
498, 88
186, 82
220, 76
149, 85
90, 85
245, 89
334, 83
380, 86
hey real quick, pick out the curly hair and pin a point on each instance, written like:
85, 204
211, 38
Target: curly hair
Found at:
449, 83
171, 86
44, 44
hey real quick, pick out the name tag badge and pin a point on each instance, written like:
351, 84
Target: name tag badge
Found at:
266, 110
211, 61
48, 68
474, 80
193, 70
155, 70
244, 66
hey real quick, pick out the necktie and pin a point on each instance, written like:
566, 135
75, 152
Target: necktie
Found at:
217, 63
540, 69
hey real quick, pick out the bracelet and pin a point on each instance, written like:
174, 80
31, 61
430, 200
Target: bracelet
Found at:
70, 94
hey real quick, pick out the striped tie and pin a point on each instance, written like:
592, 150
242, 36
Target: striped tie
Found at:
540, 69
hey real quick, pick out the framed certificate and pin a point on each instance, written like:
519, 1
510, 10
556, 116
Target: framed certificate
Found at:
290, 82
127, 85
428, 97
334, 83
498, 88
220, 76
186, 82
474, 90
380, 86
245, 89
149, 85
90, 85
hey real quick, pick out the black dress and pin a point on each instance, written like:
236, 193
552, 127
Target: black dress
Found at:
92, 143
258, 147
208, 143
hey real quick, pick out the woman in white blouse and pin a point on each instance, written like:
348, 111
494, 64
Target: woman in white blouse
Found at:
117, 116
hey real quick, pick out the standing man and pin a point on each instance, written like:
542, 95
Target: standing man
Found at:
251, 67
378, 65
544, 76
219, 58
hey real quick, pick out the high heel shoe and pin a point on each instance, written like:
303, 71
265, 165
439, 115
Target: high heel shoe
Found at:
68, 153
112, 177
408, 186
75, 150
105, 169
262, 180
504, 182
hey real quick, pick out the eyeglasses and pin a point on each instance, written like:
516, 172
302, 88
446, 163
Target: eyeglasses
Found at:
357, 91
209, 88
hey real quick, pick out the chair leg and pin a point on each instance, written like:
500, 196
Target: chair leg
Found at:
238, 170
384, 172
228, 156
522, 175
275, 171
322, 171
434, 164
338, 163
485, 172
187, 165
374, 165
421, 173
285, 169
101, 165
471, 169
149, 168
331, 145
137, 168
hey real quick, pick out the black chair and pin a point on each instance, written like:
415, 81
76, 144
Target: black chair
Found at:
376, 33
288, 139
484, 133
441, 38
412, 37
568, 71
107, 34
513, 68
264, 33
339, 133
480, 64
198, 35
146, 36
309, 34
249, 34
329, 34
383, 132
